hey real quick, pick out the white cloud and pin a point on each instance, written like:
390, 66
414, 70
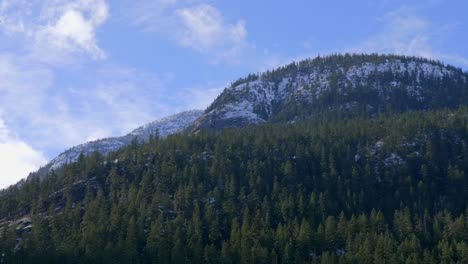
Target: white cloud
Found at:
55, 28
403, 33
23, 85
51, 112
104, 101
94, 103
18, 158
407, 33
201, 27
125, 97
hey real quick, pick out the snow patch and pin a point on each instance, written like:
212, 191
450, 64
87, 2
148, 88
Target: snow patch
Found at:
163, 127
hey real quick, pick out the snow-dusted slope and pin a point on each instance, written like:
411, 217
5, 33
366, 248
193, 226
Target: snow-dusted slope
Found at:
103, 146
312, 87
163, 127
168, 125
362, 84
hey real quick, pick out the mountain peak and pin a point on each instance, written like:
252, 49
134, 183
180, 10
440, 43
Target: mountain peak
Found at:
344, 85
337, 83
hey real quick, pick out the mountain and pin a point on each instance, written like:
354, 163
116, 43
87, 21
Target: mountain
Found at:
340, 84
338, 159
335, 85
163, 127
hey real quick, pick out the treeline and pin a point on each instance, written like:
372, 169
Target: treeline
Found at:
387, 190
333, 62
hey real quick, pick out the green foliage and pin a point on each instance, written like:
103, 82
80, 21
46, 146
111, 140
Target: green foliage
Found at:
386, 190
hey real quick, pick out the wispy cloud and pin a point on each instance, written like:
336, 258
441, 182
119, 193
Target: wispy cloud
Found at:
48, 112
93, 102
198, 97
122, 98
99, 102
203, 29
198, 26
54, 29
407, 33
402, 33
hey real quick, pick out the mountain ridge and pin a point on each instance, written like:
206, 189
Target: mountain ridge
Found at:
348, 84
334, 82
162, 127
342, 159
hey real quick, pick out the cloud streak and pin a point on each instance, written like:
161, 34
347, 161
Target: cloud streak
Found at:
99, 102
407, 33
55, 29
93, 103
203, 29
200, 27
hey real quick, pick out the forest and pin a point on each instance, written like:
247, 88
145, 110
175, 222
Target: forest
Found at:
391, 189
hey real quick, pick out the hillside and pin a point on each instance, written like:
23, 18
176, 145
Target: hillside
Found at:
351, 191
338, 159
162, 128
338, 85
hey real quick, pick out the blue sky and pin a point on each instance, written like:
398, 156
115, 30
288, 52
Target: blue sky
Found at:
78, 70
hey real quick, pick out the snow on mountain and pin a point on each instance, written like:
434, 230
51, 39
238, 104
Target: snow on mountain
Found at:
346, 83
162, 127
104, 146
336, 82
168, 125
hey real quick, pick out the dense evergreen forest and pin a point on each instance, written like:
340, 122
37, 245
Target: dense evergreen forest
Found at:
393, 189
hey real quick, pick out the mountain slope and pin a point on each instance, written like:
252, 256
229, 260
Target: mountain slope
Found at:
162, 127
353, 159
344, 84
346, 191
